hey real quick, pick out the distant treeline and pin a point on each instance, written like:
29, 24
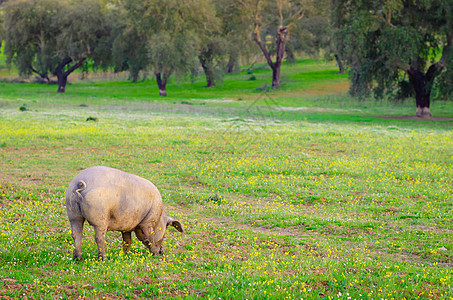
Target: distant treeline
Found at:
390, 47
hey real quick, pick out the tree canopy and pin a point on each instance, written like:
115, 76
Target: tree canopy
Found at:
391, 47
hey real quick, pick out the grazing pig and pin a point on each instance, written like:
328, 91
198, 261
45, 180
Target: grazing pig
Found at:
110, 199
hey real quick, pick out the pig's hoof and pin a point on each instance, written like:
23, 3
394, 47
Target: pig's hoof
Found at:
102, 258
78, 258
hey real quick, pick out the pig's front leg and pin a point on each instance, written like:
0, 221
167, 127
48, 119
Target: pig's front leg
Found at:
127, 241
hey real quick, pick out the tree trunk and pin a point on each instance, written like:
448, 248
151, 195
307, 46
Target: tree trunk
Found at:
355, 89
207, 68
282, 38
421, 82
62, 81
231, 64
359, 87
422, 95
162, 84
63, 76
276, 77
209, 80
340, 64
133, 75
267, 56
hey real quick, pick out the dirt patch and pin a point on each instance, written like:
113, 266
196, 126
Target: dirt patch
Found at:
218, 100
415, 118
11, 285
334, 88
429, 228
295, 231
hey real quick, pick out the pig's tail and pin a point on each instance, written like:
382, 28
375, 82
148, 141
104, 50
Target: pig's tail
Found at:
81, 186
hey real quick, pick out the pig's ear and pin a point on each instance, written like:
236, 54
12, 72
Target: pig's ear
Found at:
174, 223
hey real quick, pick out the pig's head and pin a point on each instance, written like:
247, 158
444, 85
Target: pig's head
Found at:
159, 233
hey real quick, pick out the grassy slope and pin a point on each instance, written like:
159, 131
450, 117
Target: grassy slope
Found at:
296, 193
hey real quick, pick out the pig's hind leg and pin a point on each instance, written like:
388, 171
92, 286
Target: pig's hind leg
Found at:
76, 232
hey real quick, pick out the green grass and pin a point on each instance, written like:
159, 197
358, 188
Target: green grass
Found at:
297, 193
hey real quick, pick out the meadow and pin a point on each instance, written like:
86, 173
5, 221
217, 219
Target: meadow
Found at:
298, 193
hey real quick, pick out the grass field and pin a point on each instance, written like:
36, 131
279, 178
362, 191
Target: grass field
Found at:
297, 193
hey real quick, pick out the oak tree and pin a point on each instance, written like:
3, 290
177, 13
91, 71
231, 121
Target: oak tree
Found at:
173, 31
276, 18
387, 40
50, 37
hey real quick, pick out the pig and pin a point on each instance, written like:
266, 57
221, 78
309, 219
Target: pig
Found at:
110, 199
